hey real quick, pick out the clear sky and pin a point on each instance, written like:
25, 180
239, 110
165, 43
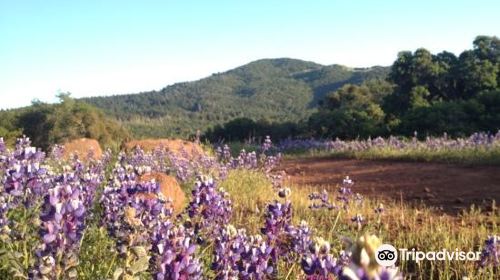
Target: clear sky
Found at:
110, 47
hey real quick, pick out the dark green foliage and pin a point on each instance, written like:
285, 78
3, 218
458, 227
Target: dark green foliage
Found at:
352, 111
457, 118
36, 123
243, 129
343, 123
8, 128
442, 93
48, 124
427, 93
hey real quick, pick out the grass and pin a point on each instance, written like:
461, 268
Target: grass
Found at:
400, 225
254, 192
467, 156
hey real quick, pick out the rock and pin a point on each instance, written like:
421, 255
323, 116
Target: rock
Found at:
82, 147
169, 188
177, 146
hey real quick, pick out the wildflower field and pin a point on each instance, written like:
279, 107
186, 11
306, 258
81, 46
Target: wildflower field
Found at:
89, 218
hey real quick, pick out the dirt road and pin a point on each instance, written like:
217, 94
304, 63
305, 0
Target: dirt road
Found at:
450, 187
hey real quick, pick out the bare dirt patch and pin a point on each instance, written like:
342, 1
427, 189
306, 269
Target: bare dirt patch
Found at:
446, 186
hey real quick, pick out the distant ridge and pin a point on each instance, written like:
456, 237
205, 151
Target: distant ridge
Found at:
277, 90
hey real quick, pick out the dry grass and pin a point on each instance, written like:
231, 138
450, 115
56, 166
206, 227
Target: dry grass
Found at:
400, 225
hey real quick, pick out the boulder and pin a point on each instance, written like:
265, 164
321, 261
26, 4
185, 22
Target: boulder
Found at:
174, 145
169, 188
82, 147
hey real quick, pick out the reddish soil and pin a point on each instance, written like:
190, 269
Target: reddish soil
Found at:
448, 187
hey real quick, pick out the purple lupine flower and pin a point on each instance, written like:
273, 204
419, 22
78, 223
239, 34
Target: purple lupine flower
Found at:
245, 160
63, 221
24, 179
490, 254
276, 178
159, 160
56, 152
267, 145
3, 156
474, 141
300, 238
271, 162
278, 218
345, 192
174, 253
226, 152
4, 222
238, 256
223, 153
24, 172
3, 148
318, 262
209, 209
358, 220
136, 216
320, 200
182, 167
129, 204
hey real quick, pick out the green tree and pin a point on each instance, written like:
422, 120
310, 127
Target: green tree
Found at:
48, 124
352, 111
475, 75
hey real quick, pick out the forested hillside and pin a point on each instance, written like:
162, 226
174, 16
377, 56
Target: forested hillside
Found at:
431, 94
271, 90
421, 92
424, 92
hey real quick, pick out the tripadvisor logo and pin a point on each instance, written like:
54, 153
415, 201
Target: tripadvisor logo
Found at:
387, 255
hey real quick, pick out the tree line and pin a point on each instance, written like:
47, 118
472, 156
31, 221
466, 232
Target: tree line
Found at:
423, 92
48, 124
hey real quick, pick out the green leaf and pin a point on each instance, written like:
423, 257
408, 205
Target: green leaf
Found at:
140, 265
139, 251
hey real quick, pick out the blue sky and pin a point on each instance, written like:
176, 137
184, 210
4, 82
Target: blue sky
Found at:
111, 47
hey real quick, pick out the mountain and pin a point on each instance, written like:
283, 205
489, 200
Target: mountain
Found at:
276, 90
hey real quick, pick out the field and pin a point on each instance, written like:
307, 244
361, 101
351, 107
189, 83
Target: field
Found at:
451, 188
249, 140
243, 218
